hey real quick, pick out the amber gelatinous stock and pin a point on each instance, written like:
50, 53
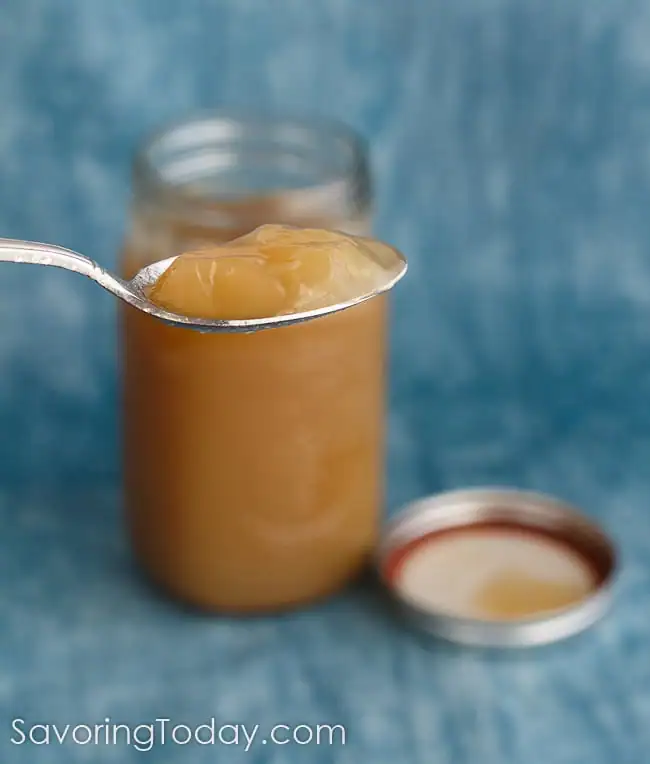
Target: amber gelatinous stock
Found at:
254, 462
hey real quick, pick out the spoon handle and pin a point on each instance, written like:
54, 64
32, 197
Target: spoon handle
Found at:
35, 253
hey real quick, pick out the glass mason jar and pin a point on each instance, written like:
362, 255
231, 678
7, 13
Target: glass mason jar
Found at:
253, 463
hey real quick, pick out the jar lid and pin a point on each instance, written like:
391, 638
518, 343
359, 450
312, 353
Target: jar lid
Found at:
497, 567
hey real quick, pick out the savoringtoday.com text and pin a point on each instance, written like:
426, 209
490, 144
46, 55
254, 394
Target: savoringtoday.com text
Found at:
162, 731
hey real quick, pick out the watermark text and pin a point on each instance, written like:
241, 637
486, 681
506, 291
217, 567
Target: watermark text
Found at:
162, 731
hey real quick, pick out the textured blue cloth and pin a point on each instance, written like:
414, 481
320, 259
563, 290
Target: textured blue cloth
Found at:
511, 141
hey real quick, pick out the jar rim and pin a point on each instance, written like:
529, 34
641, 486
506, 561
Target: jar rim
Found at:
347, 164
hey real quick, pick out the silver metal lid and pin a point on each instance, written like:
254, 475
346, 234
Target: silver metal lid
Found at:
497, 567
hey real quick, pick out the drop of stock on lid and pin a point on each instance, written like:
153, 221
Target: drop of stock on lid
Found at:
494, 574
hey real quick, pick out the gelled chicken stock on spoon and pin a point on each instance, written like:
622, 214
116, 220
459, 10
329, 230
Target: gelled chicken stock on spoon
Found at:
274, 276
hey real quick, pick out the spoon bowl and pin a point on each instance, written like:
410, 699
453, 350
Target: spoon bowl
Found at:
135, 291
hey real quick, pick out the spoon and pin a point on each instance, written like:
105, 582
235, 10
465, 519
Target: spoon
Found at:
134, 292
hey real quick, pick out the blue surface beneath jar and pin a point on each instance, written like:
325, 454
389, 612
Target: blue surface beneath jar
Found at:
510, 141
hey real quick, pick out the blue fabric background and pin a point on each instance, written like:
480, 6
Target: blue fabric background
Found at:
511, 143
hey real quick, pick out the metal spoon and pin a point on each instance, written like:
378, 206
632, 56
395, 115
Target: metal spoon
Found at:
134, 292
